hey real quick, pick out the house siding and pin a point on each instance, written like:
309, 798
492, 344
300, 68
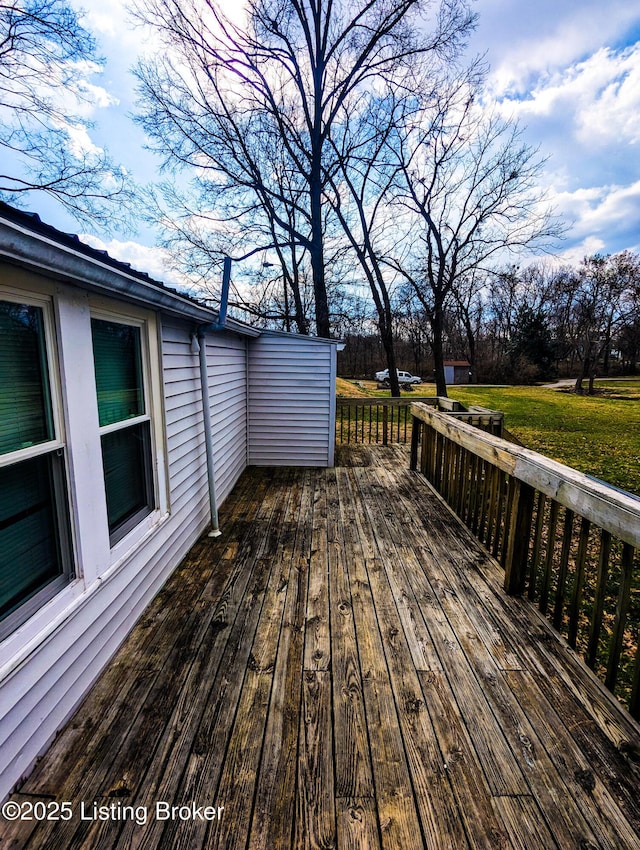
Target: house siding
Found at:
227, 372
52, 668
291, 401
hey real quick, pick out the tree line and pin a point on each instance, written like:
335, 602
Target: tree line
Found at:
520, 325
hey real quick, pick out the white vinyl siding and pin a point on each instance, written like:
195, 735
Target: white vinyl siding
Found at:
227, 371
291, 401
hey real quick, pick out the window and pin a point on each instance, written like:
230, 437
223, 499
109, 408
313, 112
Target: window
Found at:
125, 426
35, 551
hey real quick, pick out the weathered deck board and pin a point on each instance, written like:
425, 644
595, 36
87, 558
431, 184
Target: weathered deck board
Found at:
343, 670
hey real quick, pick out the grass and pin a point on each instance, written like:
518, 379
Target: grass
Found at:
599, 435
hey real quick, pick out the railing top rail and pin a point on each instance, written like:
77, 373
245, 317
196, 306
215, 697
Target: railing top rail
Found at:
452, 407
385, 401
611, 509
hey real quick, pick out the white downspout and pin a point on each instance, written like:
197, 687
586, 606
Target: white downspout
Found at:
199, 343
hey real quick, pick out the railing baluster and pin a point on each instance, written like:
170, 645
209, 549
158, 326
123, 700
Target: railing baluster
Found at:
598, 602
622, 609
493, 507
416, 426
500, 525
548, 564
578, 586
634, 700
558, 609
537, 542
519, 535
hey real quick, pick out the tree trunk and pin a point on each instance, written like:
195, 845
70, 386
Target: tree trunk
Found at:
386, 335
471, 343
584, 373
323, 327
437, 348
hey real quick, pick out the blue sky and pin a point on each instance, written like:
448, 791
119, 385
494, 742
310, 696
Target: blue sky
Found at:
568, 70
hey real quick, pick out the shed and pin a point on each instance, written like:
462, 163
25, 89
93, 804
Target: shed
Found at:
106, 474
457, 372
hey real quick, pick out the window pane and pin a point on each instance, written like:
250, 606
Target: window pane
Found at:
127, 474
118, 365
30, 555
25, 404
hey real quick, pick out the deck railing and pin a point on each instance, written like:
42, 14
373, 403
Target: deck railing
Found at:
568, 541
388, 420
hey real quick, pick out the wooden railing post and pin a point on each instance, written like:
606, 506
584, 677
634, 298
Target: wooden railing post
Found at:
415, 440
518, 538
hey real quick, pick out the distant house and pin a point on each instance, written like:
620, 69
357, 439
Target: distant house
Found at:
457, 372
111, 466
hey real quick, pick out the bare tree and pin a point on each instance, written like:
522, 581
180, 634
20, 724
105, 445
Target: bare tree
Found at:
46, 56
470, 194
596, 301
242, 105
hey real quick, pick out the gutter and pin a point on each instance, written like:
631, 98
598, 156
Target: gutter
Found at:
79, 266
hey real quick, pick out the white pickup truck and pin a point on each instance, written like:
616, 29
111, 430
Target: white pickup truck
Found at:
403, 377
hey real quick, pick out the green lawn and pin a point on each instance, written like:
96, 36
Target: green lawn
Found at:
598, 435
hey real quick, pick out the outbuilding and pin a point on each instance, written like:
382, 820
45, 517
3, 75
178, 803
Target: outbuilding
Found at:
457, 372
128, 411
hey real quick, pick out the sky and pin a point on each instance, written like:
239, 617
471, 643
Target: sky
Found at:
567, 70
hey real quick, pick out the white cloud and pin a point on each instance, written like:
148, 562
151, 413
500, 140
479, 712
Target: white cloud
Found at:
600, 97
527, 42
586, 248
604, 217
80, 143
142, 258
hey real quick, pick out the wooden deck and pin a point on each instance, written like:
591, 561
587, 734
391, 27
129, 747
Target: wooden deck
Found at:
341, 669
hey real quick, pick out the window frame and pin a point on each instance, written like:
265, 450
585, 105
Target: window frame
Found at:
56, 449
146, 326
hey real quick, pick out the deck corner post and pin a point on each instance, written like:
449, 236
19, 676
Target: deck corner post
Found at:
415, 440
518, 538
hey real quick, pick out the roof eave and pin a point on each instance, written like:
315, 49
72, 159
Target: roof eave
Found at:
38, 253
